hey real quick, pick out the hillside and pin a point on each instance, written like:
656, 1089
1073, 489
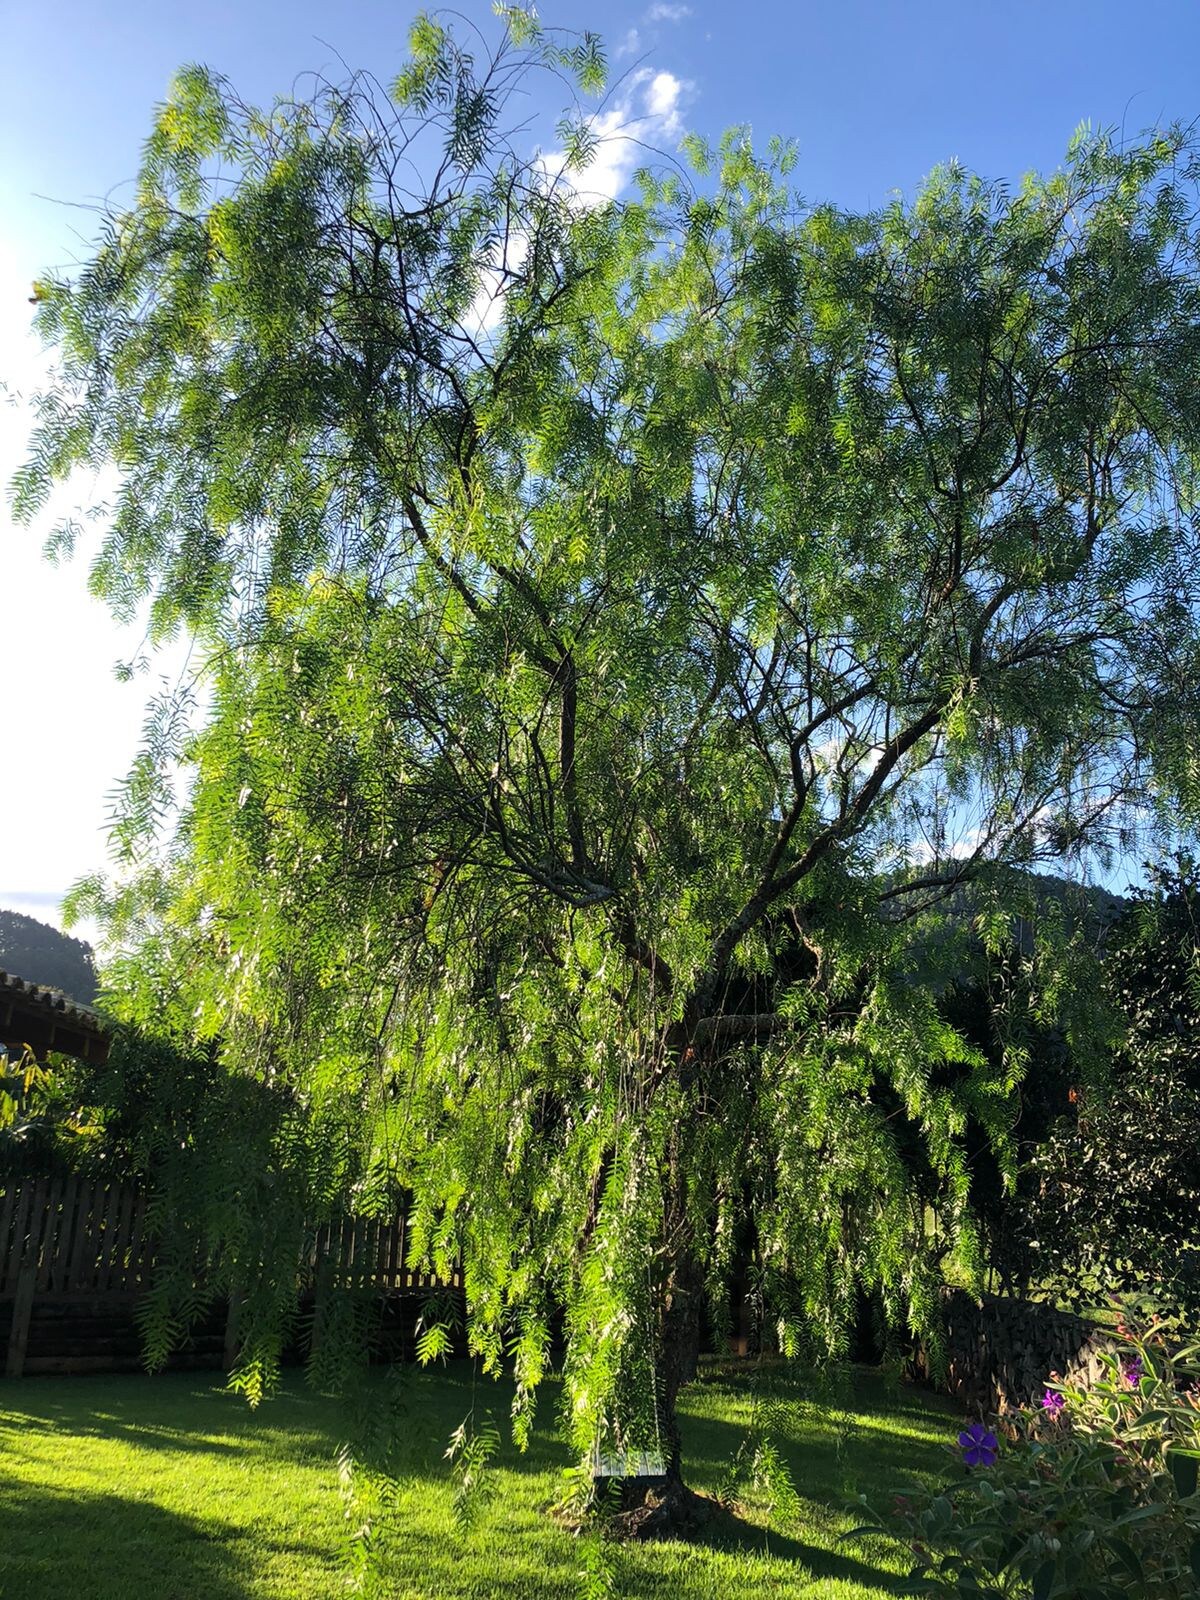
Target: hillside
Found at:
41, 954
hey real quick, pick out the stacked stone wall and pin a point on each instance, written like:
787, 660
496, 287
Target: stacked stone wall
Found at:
1000, 1352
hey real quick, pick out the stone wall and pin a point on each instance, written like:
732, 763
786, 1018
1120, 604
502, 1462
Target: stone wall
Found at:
1000, 1352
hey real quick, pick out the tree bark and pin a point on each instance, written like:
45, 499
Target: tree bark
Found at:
678, 1352
652, 1507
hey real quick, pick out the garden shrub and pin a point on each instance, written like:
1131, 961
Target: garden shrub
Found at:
1109, 1202
1091, 1493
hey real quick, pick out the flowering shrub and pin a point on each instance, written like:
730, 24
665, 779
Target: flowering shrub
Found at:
978, 1445
1054, 1403
1091, 1493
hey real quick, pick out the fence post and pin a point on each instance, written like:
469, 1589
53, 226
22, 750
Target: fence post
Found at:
18, 1337
232, 1342
322, 1292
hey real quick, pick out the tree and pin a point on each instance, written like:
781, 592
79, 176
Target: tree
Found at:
609, 614
994, 1003
1116, 1182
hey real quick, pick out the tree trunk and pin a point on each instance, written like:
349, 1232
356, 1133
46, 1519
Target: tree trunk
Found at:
678, 1351
652, 1507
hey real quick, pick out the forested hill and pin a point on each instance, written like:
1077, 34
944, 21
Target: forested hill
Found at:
41, 954
1088, 906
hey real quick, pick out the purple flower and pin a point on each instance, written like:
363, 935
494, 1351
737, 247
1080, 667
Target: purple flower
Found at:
979, 1447
1132, 1371
1054, 1403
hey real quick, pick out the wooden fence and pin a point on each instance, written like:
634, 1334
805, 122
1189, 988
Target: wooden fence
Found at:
74, 1242
367, 1253
73, 1237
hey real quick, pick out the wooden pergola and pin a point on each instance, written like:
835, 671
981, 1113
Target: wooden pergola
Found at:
42, 1020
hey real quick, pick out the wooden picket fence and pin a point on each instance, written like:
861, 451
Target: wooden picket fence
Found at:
73, 1239
73, 1236
368, 1253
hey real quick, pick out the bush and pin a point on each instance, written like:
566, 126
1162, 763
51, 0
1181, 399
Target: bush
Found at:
1111, 1200
1091, 1494
45, 1125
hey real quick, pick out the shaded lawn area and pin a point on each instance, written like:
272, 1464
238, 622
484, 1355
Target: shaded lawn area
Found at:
167, 1488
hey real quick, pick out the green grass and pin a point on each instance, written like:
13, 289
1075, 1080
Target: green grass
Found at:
166, 1488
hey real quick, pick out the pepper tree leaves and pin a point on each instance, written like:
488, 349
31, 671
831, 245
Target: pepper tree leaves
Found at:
602, 613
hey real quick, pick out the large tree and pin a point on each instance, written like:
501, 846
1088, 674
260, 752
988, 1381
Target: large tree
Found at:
619, 626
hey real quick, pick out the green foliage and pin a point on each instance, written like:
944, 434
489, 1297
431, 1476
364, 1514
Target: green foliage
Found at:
1046, 1049
600, 611
469, 1452
44, 1124
370, 1477
340, 1340
1098, 1501
433, 1343
759, 1461
239, 1172
1115, 1187
785, 1402
598, 1577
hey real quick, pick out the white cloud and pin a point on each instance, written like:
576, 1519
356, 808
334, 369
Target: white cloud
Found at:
483, 318
646, 113
662, 100
923, 852
631, 44
831, 752
826, 753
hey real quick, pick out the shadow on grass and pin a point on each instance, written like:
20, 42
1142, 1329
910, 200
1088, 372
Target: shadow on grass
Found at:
112, 1542
106, 1425
869, 1438
101, 1546
727, 1532
163, 1412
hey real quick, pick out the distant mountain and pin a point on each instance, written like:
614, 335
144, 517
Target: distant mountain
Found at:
1086, 909
1088, 906
38, 953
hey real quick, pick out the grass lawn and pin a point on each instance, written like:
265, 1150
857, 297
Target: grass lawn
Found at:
166, 1488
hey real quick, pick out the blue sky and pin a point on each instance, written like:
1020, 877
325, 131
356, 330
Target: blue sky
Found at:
875, 92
